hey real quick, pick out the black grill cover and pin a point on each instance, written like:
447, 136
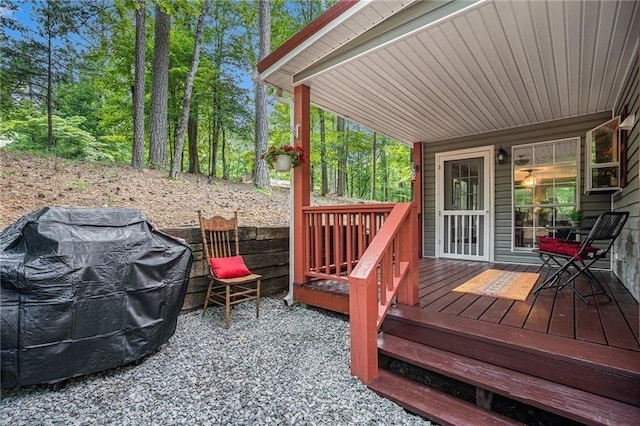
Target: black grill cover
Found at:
85, 290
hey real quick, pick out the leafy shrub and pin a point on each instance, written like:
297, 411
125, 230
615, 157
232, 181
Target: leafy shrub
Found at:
70, 141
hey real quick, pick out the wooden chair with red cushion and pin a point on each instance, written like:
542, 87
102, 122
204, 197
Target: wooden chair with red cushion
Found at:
230, 281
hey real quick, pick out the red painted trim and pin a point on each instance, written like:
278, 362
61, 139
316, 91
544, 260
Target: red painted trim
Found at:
392, 251
417, 191
301, 180
298, 38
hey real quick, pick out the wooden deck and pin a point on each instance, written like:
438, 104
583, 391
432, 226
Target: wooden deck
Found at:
552, 351
558, 313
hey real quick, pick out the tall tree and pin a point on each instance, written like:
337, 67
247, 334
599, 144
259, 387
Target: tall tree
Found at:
374, 158
158, 120
192, 137
324, 182
261, 174
186, 101
137, 157
341, 180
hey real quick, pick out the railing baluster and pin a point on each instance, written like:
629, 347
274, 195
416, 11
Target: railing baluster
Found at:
309, 242
332, 254
337, 244
316, 237
327, 244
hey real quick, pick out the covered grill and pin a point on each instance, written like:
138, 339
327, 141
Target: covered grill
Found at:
85, 290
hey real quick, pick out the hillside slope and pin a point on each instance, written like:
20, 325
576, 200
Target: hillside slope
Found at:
30, 182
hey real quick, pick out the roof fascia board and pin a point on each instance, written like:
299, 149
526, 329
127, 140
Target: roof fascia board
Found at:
415, 18
293, 51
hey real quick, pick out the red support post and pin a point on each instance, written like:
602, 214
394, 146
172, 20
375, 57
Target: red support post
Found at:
408, 292
363, 312
301, 178
417, 191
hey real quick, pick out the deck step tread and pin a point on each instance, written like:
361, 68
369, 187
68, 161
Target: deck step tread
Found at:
432, 404
563, 400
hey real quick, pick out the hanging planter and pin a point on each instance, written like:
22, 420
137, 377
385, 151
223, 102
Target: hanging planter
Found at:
283, 158
282, 163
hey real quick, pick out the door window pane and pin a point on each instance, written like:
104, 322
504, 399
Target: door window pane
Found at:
462, 184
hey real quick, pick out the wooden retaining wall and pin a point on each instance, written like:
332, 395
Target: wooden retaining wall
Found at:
265, 251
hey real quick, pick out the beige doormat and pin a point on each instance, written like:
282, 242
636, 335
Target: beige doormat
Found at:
503, 284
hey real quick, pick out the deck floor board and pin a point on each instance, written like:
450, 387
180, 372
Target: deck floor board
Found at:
553, 311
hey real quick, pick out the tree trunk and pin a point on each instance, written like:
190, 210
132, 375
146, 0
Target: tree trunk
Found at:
50, 141
225, 167
137, 156
159, 91
192, 136
215, 131
385, 183
186, 101
261, 174
214, 146
341, 178
324, 182
373, 166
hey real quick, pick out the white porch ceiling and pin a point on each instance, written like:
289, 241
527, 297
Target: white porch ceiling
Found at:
440, 70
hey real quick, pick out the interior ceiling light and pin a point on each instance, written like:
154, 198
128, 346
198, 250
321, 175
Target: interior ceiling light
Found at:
529, 180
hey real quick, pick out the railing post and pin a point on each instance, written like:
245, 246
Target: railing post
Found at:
408, 291
363, 314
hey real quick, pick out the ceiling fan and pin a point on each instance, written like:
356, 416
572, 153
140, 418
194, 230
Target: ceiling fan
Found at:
521, 160
529, 179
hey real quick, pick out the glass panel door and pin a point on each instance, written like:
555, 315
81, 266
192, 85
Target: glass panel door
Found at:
464, 206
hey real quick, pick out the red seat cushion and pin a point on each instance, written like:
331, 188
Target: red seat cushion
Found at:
229, 267
544, 240
589, 252
548, 246
569, 249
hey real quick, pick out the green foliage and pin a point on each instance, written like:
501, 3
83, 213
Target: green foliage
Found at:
93, 51
30, 134
77, 186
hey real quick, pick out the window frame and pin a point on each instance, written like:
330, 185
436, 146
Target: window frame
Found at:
533, 206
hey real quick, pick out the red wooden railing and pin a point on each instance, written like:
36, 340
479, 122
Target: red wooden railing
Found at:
387, 271
338, 236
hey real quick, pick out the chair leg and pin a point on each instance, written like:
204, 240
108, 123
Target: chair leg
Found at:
593, 281
557, 275
228, 304
206, 300
258, 301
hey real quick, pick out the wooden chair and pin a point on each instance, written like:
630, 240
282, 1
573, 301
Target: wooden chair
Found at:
232, 284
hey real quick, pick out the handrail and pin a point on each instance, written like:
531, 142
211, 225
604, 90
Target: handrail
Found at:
386, 271
338, 236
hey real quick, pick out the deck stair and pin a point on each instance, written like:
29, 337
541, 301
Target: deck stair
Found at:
455, 349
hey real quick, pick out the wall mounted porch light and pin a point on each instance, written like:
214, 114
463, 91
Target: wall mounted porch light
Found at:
501, 156
628, 122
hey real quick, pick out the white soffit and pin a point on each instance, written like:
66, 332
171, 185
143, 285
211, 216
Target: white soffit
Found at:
491, 66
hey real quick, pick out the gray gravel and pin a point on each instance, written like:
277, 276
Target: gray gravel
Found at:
290, 366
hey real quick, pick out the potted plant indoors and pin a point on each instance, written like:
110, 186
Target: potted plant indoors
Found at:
283, 158
575, 216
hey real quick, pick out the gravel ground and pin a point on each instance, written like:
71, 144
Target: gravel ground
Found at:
290, 366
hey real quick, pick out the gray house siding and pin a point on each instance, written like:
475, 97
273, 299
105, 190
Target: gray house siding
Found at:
559, 129
626, 263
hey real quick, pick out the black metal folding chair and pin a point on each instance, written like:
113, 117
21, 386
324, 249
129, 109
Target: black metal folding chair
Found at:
582, 256
586, 223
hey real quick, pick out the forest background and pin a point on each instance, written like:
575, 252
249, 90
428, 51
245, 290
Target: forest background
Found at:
167, 84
